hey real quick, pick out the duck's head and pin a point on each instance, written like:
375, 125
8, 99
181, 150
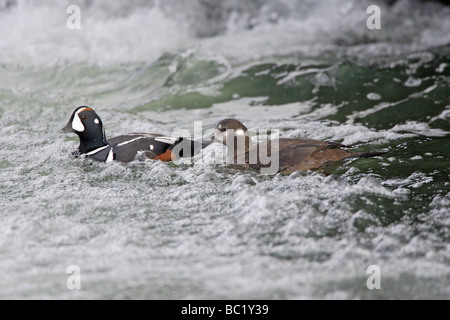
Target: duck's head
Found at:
228, 129
84, 120
86, 123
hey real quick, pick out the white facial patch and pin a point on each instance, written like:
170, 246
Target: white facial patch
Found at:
239, 132
77, 125
218, 135
96, 121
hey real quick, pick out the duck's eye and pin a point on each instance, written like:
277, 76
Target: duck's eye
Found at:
223, 129
83, 117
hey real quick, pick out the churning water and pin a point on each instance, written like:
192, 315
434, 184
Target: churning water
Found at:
177, 231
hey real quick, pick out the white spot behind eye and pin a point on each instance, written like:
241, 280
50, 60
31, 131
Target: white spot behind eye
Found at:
96, 121
152, 147
240, 132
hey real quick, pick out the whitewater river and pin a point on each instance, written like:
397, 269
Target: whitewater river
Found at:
152, 230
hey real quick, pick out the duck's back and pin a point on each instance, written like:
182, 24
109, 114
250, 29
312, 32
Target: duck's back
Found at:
299, 154
153, 146
127, 147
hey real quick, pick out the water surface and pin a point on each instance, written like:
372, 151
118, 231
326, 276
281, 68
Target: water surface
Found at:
309, 69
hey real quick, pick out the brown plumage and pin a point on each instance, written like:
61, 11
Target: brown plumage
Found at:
293, 154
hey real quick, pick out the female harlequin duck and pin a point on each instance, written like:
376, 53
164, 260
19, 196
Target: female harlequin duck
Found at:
93, 143
293, 154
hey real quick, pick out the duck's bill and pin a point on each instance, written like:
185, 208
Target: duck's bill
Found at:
218, 136
67, 128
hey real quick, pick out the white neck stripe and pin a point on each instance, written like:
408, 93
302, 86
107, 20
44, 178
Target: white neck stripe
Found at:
96, 150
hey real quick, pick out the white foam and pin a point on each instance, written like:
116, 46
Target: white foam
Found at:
143, 35
116, 33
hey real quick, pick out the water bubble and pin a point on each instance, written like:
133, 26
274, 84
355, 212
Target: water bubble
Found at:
413, 82
373, 96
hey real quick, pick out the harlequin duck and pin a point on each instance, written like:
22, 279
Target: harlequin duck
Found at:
85, 122
293, 154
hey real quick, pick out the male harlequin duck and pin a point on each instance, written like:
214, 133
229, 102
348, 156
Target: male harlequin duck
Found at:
293, 154
93, 143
